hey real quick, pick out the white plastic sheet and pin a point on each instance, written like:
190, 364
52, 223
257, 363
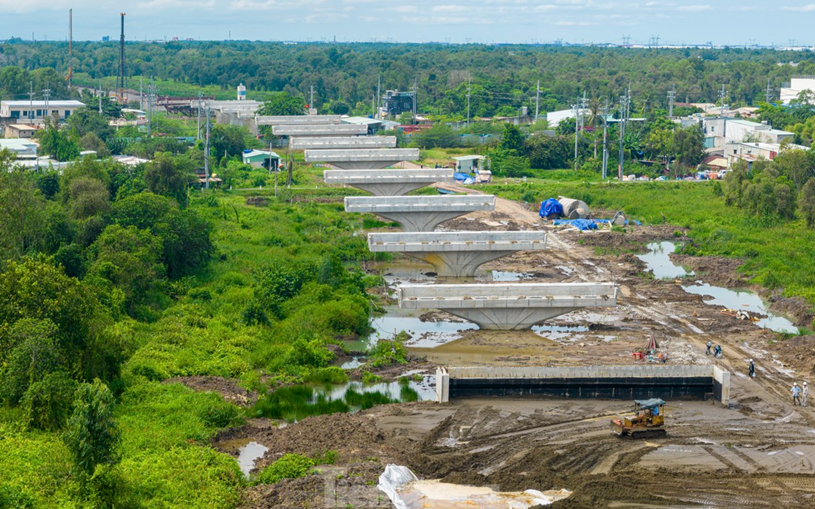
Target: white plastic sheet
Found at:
406, 491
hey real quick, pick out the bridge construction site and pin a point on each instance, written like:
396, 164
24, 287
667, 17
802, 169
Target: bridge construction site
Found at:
543, 339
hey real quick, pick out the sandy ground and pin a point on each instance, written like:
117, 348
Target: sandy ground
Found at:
759, 452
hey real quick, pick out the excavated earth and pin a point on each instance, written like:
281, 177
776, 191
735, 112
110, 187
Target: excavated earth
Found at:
757, 453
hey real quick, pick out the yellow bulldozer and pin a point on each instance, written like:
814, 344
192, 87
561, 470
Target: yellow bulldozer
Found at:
648, 420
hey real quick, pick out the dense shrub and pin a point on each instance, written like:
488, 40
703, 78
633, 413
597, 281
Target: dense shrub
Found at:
290, 466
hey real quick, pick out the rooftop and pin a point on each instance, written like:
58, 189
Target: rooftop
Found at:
51, 104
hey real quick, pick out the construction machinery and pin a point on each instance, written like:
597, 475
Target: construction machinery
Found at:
648, 420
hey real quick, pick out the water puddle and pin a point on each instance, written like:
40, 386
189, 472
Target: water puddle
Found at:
354, 363
295, 403
248, 454
557, 332
428, 334
404, 270
657, 261
509, 276
745, 300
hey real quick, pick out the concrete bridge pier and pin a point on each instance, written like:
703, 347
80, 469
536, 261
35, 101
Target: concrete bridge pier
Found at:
388, 182
508, 306
457, 254
419, 213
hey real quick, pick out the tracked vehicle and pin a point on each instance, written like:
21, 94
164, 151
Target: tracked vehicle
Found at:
648, 420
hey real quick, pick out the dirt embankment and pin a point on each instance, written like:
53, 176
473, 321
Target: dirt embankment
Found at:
228, 388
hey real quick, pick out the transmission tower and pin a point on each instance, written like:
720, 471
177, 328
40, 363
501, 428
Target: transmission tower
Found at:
625, 108
770, 93
671, 100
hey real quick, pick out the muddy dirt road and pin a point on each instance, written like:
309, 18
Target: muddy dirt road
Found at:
758, 453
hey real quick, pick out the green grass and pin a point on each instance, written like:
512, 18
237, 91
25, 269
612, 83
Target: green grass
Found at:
775, 252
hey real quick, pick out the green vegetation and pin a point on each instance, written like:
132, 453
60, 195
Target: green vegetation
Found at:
290, 466
770, 247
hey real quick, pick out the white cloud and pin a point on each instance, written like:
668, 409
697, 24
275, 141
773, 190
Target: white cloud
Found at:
693, 8
803, 8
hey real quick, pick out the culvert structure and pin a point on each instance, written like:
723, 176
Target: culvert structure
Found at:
419, 213
457, 254
668, 382
362, 158
512, 306
388, 182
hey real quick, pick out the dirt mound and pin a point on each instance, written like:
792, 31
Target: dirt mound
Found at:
257, 201
715, 270
798, 352
634, 239
354, 436
327, 487
795, 307
227, 388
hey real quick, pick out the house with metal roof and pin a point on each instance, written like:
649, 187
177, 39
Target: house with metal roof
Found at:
36, 111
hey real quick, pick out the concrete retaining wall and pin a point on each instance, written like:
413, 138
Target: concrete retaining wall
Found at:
602, 382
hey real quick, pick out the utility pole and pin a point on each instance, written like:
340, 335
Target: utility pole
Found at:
576, 108
605, 111
100, 97
70, 49
378, 94
198, 136
45, 95
31, 105
723, 98
468, 100
141, 92
537, 100
415, 97
769, 93
625, 101
206, 152
121, 83
311, 98
671, 99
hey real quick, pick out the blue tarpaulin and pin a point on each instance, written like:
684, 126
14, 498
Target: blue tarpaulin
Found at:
463, 178
550, 206
580, 224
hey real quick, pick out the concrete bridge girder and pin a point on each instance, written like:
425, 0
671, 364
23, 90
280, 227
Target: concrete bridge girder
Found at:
349, 142
362, 158
419, 213
457, 254
387, 182
508, 306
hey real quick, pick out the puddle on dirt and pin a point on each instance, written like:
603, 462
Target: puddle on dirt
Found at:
423, 334
404, 270
248, 454
556, 332
509, 276
745, 300
354, 363
657, 261
424, 390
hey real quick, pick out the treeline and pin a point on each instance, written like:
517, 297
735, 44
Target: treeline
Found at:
500, 79
775, 190
82, 253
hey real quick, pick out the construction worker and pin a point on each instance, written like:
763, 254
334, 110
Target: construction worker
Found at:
707, 349
717, 351
752, 369
805, 395
796, 394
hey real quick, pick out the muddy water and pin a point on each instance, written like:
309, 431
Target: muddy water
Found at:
354, 363
658, 261
423, 334
248, 454
393, 390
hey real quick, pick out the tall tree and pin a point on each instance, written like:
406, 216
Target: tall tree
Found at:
166, 177
92, 435
21, 210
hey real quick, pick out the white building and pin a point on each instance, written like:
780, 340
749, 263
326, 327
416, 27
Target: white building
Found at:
797, 85
751, 152
22, 149
556, 117
469, 164
33, 111
727, 130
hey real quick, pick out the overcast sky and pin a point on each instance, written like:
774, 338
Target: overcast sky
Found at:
458, 21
